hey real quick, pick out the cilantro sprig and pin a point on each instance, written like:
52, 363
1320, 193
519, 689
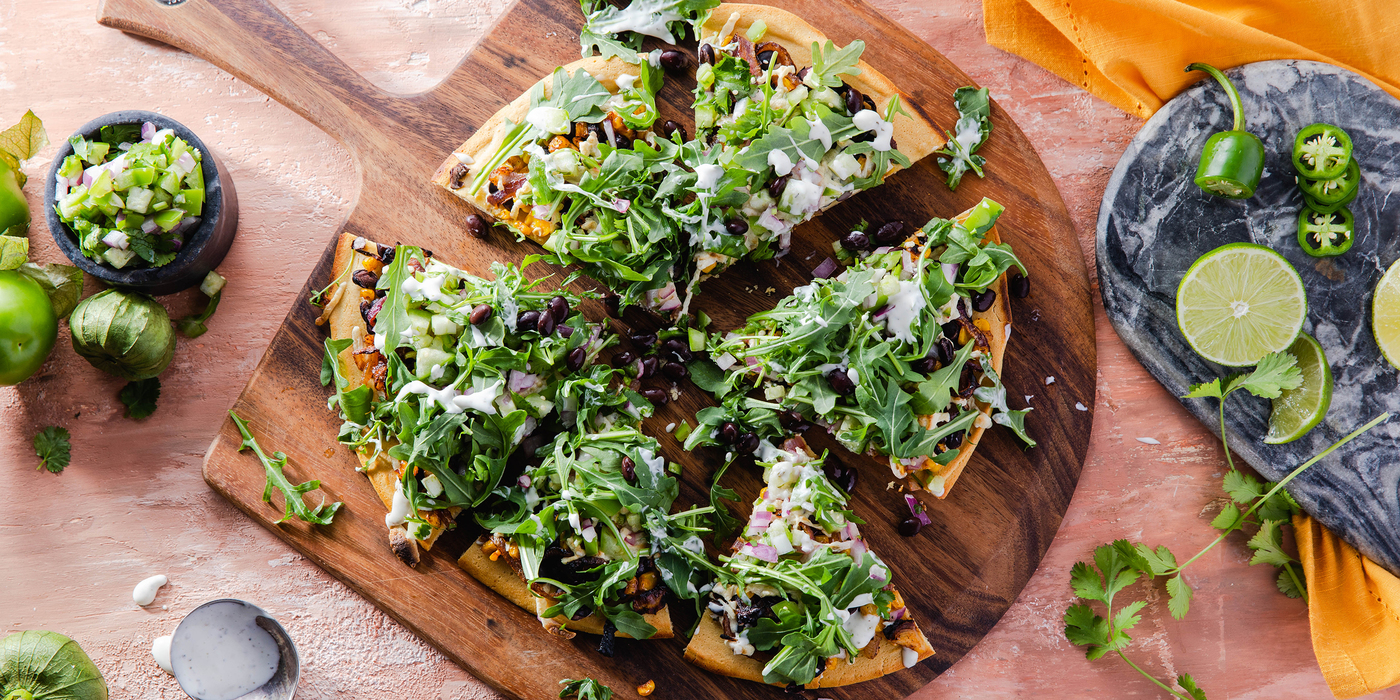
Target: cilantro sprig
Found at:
1120, 564
52, 446
140, 397
273, 466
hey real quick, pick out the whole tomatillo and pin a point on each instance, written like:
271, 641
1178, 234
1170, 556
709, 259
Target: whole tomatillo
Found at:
28, 327
1233, 161
14, 209
123, 333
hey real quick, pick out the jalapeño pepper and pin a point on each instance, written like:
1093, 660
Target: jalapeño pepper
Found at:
1337, 190
1326, 235
1328, 208
1233, 161
1321, 151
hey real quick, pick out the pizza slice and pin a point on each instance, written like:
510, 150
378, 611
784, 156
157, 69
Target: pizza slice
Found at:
582, 538
899, 355
802, 600
439, 375
788, 125
574, 165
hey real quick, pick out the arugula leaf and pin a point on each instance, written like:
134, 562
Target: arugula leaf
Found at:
830, 63
63, 284
140, 397
52, 446
294, 505
392, 320
973, 127
584, 689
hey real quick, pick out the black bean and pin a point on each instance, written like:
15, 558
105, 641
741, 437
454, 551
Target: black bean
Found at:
764, 58
576, 358
946, 350
566, 331
950, 331
386, 254
910, 527
669, 128
656, 396
365, 278
427, 253
622, 142
559, 309
674, 61
649, 368
924, 365
747, 443
608, 645
840, 382
613, 303
792, 420
675, 371
854, 101
623, 359
546, 324
476, 226
677, 350
481, 314
981, 301
629, 469
855, 240
1020, 286
707, 53
954, 441
803, 73
736, 226
840, 474
527, 321
644, 340
365, 306
776, 187
533, 442
728, 433
890, 233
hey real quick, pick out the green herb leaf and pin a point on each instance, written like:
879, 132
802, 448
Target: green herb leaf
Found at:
1189, 685
1160, 560
1180, 596
192, 326
830, 63
973, 128
1210, 389
1276, 372
1229, 518
1286, 584
294, 506
584, 689
52, 446
140, 397
63, 284
1268, 545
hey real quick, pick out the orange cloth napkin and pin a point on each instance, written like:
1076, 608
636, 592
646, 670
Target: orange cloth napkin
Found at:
1132, 52
1354, 610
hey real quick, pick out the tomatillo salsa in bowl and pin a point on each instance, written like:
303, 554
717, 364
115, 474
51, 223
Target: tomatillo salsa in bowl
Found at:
136, 200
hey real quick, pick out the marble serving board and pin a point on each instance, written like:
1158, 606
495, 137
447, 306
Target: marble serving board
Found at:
1154, 222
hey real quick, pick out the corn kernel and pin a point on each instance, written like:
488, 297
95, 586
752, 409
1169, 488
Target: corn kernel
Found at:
366, 293
646, 688
373, 265
982, 323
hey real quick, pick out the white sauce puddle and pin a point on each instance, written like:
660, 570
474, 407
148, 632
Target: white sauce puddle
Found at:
145, 592
222, 653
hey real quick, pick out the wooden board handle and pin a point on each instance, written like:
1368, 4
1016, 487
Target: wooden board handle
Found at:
254, 41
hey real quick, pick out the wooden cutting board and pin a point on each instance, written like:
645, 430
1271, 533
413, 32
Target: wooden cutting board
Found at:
958, 576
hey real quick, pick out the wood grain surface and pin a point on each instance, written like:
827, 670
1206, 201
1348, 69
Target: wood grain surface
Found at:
960, 574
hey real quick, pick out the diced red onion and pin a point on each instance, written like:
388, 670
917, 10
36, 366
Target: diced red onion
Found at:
586, 523
908, 262
881, 250
637, 539
760, 520
877, 573
148, 132
950, 272
524, 481
785, 238
520, 382
898, 614
607, 128
825, 269
149, 225
858, 550
725, 361
850, 532
621, 205
91, 174
185, 224
916, 510
883, 312
116, 239
542, 211
763, 552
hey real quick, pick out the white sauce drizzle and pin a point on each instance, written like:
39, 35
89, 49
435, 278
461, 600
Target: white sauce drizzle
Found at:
399, 512
911, 657
145, 592
779, 160
905, 306
868, 120
160, 650
707, 175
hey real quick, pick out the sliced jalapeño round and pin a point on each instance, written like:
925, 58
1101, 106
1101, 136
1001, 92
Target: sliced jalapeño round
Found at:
1324, 234
1321, 151
1336, 190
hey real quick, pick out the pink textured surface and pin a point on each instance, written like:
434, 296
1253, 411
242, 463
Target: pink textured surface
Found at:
133, 504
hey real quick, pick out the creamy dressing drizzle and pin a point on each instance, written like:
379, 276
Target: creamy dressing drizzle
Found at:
145, 592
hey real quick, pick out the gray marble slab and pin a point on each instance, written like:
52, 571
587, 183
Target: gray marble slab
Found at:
1154, 222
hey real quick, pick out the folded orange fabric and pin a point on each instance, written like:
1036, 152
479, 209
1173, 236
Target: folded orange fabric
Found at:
1132, 52
1354, 611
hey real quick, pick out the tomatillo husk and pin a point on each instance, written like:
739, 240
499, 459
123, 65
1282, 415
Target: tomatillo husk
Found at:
123, 333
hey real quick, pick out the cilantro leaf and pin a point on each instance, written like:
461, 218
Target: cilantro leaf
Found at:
1084, 628
1268, 545
1276, 372
52, 446
1230, 518
140, 397
1189, 685
1180, 596
1160, 560
1287, 585
1210, 389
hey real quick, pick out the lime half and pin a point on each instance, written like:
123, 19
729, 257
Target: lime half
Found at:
1240, 302
1297, 411
1385, 315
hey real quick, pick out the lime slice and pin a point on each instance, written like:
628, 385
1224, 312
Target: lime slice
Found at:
1240, 302
1385, 315
1297, 411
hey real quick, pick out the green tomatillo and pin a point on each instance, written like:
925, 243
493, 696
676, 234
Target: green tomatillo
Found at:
14, 209
1232, 161
28, 327
123, 333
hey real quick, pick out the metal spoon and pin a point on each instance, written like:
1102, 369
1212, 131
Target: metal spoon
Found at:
283, 684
